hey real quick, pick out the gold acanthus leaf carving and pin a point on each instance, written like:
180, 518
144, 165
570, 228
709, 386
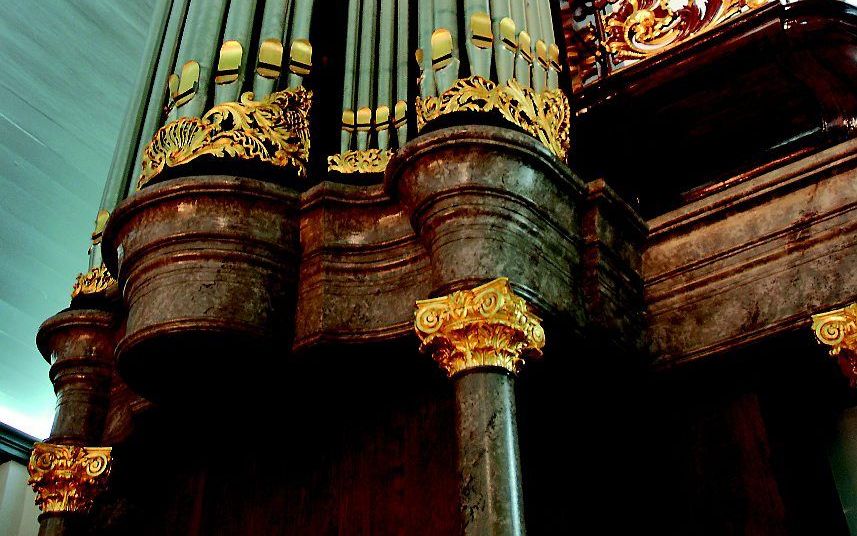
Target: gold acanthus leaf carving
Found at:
274, 130
95, 281
637, 29
838, 330
368, 161
67, 478
488, 326
545, 116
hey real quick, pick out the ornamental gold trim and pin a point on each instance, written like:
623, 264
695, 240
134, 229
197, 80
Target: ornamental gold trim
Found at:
368, 161
95, 281
637, 29
488, 326
67, 478
274, 130
838, 330
544, 115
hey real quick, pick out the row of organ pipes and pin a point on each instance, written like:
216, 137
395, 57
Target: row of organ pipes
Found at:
198, 50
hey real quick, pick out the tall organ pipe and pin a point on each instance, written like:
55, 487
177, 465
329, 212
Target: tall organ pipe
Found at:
239, 27
479, 56
199, 44
522, 66
534, 28
504, 58
550, 39
129, 137
348, 92
386, 52
273, 24
446, 17
367, 73
155, 108
300, 30
425, 18
402, 68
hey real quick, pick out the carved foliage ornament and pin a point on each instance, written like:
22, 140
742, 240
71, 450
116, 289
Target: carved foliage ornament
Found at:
368, 161
274, 130
95, 281
487, 326
545, 115
67, 478
838, 329
639, 28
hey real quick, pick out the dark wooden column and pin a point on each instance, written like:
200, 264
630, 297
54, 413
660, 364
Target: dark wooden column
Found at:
67, 471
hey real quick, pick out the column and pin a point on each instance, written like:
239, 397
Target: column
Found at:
66, 471
838, 330
481, 338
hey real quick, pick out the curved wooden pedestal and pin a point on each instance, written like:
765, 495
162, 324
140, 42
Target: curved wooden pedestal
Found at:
208, 268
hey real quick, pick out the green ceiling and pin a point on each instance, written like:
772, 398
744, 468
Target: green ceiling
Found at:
68, 69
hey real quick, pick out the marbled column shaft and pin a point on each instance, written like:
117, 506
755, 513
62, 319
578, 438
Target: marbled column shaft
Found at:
488, 458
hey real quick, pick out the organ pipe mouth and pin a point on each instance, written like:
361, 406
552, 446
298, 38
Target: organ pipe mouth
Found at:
441, 48
480, 30
270, 62
229, 63
300, 62
189, 83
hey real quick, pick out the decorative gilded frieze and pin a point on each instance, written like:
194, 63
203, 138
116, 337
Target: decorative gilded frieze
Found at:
67, 478
368, 161
274, 130
637, 29
95, 281
488, 326
543, 115
838, 329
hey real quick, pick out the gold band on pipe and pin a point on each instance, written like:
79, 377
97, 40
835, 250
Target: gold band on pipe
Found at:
274, 130
545, 115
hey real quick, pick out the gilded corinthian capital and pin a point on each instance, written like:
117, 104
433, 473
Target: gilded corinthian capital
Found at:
838, 329
67, 478
488, 326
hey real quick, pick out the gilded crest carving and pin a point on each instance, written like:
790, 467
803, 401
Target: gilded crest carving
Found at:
545, 115
488, 326
95, 281
368, 161
274, 130
67, 478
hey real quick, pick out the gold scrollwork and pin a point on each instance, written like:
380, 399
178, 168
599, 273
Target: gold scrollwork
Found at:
67, 478
545, 115
95, 281
488, 326
838, 330
274, 130
368, 161
637, 29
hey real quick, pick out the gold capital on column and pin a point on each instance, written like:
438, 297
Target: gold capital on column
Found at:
838, 329
67, 478
488, 326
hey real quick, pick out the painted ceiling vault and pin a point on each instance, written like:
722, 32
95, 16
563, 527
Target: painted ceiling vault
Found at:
68, 68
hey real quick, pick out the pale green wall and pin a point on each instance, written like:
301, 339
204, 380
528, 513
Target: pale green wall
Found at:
67, 70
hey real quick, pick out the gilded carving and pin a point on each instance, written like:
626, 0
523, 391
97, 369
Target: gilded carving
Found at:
637, 29
95, 281
488, 326
838, 330
545, 115
368, 161
274, 130
67, 478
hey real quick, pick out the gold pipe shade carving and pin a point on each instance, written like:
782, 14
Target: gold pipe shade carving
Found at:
67, 478
545, 115
838, 330
368, 161
95, 281
274, 130
488, 326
